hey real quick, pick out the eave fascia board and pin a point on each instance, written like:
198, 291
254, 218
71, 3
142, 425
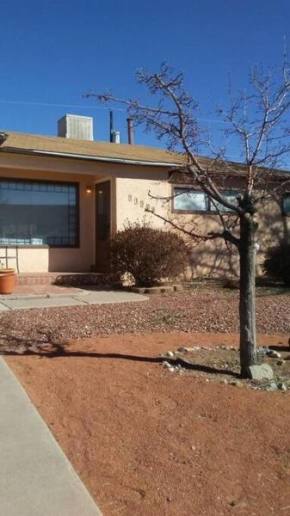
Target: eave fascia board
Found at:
85, 157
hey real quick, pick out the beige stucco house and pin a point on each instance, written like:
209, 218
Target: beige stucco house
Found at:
61, 199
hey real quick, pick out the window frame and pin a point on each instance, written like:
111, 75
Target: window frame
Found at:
284, 213
207, 199
77, 207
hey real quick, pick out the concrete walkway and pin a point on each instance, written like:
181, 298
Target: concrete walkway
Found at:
36, 478
85, 297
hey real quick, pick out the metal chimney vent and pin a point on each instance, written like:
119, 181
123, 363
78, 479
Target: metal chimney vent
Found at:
116, 137
75, 126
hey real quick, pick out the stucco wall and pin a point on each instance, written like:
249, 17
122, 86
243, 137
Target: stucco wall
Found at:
33, 259
133, 197
212, 258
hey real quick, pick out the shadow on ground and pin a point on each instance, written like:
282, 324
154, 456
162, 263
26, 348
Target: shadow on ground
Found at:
17, 346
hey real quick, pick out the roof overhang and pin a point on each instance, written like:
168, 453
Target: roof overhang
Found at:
84, 157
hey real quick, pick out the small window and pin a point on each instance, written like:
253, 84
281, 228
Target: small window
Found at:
286, 204
231, 197
189, 200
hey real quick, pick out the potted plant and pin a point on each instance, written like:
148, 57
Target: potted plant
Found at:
7, 279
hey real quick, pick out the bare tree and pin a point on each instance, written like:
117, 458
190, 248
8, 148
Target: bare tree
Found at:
258, 119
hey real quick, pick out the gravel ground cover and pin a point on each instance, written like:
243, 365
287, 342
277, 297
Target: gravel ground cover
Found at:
213, 311
154, 443
146, 440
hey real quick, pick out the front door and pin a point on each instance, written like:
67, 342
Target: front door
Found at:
103, 226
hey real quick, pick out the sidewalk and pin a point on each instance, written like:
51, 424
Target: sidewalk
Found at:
77, 297
36, 478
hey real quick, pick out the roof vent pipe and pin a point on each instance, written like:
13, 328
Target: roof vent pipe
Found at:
111, 125
130, 131
116, 137
3, 138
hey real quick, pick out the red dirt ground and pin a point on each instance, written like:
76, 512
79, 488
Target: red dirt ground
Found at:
148, 442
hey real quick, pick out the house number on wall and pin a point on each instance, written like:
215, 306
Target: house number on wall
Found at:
136, 202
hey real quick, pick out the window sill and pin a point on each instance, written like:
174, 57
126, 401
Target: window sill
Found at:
29, 246
199, 212
24, 246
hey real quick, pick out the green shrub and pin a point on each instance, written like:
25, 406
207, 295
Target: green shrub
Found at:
277, 263
149, 255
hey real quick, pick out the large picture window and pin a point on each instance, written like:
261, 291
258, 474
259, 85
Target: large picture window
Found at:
188, 200
38, 213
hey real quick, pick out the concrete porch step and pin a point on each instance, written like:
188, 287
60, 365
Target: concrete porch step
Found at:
66, 278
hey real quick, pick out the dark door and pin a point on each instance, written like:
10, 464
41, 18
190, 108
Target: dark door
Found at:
103, 226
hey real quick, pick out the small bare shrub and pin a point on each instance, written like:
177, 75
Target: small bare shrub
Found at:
277, 263
149, 255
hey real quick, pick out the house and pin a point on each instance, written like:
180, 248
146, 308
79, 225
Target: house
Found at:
61, 198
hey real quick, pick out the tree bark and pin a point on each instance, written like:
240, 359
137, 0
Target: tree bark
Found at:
247, 312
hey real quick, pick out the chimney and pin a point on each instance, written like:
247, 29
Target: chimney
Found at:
130, 131
75, 126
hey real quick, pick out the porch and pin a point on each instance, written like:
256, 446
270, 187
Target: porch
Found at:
56, 213
42, 291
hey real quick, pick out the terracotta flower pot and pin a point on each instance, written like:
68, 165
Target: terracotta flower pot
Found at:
7, 281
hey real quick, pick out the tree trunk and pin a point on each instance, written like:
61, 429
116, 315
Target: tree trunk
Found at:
247, 250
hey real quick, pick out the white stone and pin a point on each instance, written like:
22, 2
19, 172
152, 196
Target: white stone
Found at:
282, 386
237, 383
261, 372
271, 387
274, 354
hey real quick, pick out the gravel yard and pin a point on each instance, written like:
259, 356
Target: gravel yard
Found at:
214, 311
146, 440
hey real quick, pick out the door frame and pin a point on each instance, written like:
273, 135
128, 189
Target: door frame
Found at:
104, 179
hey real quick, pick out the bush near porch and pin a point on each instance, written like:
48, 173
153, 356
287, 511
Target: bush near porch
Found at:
149, 255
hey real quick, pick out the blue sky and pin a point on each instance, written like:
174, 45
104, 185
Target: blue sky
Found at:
53, 51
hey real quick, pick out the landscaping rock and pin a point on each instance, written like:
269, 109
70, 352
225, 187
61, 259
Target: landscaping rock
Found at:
261, 372
188, 350
271, 387
236, 383
137, 290
272, 353
263, 351
169, 354
282, 386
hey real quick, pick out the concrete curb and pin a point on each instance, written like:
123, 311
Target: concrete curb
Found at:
12, 297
